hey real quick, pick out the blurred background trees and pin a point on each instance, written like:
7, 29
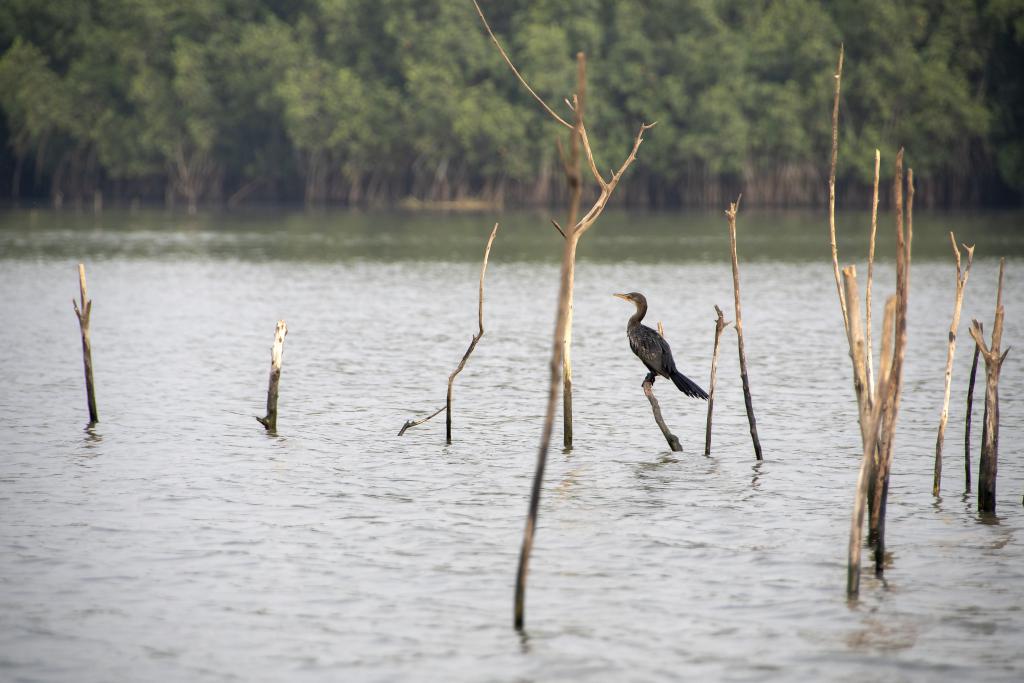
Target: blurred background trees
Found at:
375, 101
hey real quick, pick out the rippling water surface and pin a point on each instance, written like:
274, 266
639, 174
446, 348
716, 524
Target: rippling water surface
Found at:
177, 541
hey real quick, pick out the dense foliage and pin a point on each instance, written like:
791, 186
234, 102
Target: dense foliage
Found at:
376, 100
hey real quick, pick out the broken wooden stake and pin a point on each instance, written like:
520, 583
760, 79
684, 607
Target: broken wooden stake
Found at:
961, 282
988, 465
84, 313
276, 351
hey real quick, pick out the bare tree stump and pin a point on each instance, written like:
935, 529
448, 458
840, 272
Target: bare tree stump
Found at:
731, 213
276, 352
84, 314
961, 282
989, 463
720, 324
970, 408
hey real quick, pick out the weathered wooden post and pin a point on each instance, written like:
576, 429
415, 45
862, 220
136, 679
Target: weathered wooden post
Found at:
720, 324
731, 213
961, 282
988, 466
84, 314
276, 351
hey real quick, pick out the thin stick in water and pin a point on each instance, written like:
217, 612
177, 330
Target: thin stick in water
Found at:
472, 345
84, 314
961, 282
720, 324
731, 213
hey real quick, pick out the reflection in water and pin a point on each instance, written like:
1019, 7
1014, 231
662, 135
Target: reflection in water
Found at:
755, 480
883, 635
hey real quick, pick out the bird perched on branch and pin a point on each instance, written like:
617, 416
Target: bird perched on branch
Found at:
652, 349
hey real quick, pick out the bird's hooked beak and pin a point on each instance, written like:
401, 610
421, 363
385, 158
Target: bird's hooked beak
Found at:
624, 297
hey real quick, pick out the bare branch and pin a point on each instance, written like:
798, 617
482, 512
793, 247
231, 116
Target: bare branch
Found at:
472, 345
512, 66
832, 187
558, 228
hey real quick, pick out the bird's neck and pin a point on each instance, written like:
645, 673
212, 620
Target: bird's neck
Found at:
641, 311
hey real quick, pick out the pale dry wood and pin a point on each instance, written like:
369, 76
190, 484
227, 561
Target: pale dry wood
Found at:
892, 401
869, 439
961, 283
989, 461
276, 356
731, 214
673, 442
465, 357
858, 352
838, 77
84, 315
871, 270
970, 409
720, 324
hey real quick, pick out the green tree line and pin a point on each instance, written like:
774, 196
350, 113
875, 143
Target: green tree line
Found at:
373, 101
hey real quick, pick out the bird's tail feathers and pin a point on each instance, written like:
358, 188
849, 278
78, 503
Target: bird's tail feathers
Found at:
687, 385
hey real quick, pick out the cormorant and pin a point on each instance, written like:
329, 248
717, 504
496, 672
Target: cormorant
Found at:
651, 348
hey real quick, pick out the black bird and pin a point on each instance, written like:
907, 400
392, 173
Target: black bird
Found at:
651, 348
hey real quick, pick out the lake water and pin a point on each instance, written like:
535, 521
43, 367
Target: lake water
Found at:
177, 541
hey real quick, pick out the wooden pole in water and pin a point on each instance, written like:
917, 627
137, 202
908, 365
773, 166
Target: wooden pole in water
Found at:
84, 313
720, 324
961, 282
276, 353
731, 213
988, 465
465, 357
970, 408
870, 439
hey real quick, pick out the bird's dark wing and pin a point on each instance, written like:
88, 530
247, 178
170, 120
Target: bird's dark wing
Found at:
652, 349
